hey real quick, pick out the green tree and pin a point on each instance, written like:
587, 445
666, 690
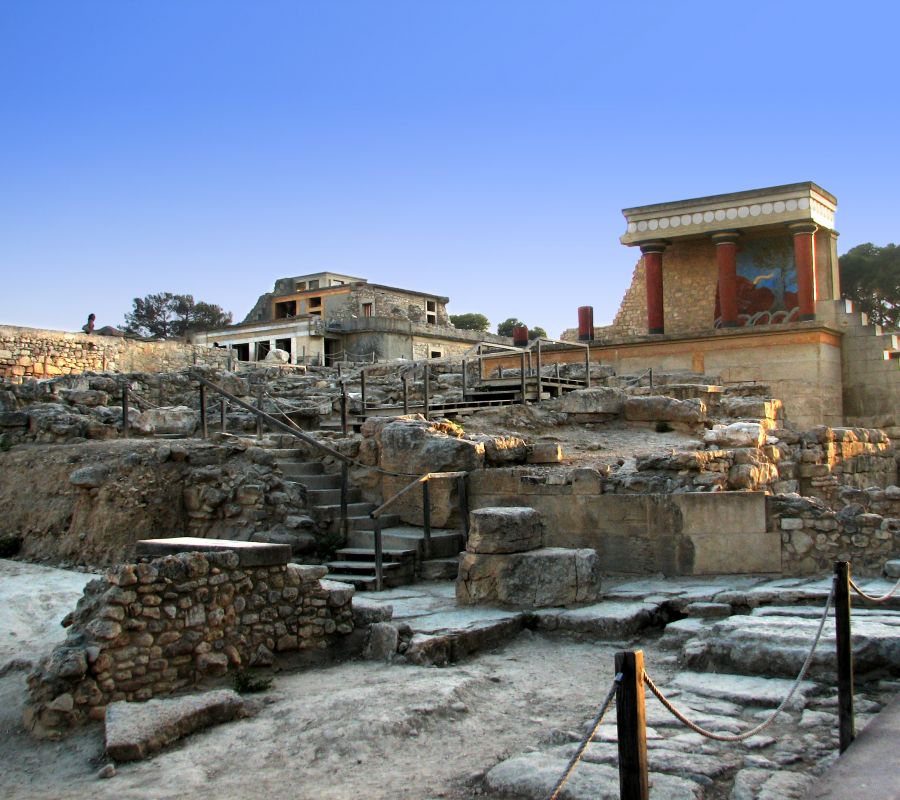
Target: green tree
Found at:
870, 277
470, 322
166, 315
537, 332
505, 328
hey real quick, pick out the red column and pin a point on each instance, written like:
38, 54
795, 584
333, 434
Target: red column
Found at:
653, 271
726, 259
805, 264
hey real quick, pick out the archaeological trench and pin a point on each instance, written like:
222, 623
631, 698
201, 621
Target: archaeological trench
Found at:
665, 510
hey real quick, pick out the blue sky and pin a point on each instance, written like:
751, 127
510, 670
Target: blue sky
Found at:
481, 149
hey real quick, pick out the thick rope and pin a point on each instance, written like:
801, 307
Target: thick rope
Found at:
881, 599
740, 737
579, 753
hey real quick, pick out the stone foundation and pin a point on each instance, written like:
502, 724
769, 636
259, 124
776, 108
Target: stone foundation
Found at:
154, 627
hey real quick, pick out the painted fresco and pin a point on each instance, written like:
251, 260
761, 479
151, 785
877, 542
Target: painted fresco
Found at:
766, 283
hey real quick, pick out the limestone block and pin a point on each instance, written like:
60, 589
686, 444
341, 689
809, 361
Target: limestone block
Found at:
658, 408
738, 434
86, 397
550, 576
179, 420
545, 453
136, 730
383, 641
513, 529
502, 450
602, 401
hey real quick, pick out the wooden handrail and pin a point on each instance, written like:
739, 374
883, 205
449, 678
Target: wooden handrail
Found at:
428, 476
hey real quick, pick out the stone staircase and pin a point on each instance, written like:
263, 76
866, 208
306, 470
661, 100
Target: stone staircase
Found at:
403, 546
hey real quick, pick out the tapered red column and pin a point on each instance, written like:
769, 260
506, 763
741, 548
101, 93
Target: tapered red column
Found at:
726, 259
653, 272
805, 264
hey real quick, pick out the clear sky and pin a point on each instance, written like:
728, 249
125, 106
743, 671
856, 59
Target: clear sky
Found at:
480, 149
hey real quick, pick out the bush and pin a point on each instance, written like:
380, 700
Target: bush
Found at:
246, 683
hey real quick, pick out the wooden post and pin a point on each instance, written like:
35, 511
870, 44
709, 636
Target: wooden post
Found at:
530, 366
426, 516
634, 783
846, 721
379, 557
427, 390
362, 390
587, 367
524, 381
229, 362
126, 427
464, 380
344, 408
204, 425
463, 498
406, 394
340, 375
650, 371
223, 410
540, 388
259, 405
345, 488
557, 369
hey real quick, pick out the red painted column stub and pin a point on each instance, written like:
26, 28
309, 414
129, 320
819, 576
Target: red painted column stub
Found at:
585, 323
653, 271
726, 260
805, 264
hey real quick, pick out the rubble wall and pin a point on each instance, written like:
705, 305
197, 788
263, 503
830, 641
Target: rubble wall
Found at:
866, 531
89, 503
38, 353
152, 628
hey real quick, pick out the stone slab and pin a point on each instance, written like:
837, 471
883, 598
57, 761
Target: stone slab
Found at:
250, 554
137, 730
740, 689
606, 620
506, 529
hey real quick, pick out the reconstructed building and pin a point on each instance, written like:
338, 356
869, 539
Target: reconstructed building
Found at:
326, 317
745, 286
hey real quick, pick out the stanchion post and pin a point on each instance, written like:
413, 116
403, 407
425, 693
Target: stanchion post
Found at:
223, 411
126, 427
204, 425
846, 722
524, 381
587, 366
406, 394
259, 405
343, 408
463, 498
362, 390
426, 390
464, 379
426, 516
379, 557
345, 487
634, 783
540, 387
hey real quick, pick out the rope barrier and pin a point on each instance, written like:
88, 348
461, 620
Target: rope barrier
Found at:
133, 394
579, 753
740, 737
871, 599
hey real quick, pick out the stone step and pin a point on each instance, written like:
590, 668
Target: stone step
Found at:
368, 554
367, 524
444, 543
319, 481
439, 569
297, 468
366, 582
323, 497
356, 567
353, 509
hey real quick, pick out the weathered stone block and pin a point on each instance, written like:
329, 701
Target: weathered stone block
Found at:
511, 529
551, 576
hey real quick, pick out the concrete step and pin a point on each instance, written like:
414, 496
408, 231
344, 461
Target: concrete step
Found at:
353, 509
323, 497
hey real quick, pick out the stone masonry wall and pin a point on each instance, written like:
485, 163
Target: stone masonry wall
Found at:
37, 353
152, 628
865, 531
385, 303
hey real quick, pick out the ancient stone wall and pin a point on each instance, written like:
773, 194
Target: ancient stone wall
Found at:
37, 353
387, 303
865, 531
152, 628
